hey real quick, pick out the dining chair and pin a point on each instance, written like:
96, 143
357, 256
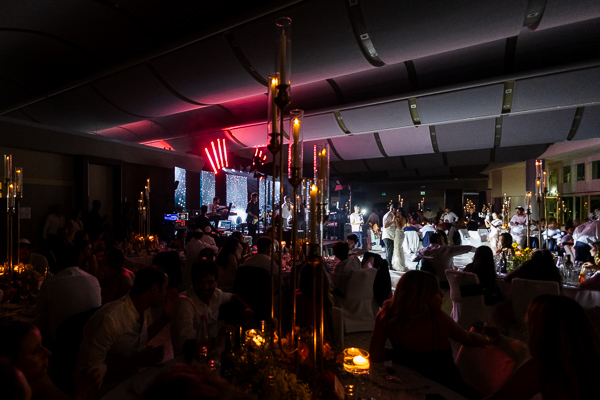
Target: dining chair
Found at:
475, 238
359, 307
412, 242
465, 239
467, 298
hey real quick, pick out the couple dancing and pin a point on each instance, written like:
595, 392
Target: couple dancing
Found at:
394, 222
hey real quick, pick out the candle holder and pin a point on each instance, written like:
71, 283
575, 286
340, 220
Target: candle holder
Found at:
356, 361
528, 213
284, 61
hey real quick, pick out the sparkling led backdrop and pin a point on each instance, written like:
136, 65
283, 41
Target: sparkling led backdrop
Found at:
237, 191
207, 187
180, 191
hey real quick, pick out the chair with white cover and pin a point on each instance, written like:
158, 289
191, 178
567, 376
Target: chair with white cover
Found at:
466, 309
475, 238
358, 306
570, 250
522, 292
487, 368
465, 239
412, 242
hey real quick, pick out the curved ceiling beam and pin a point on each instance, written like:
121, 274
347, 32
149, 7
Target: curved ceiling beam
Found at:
362, 34
170, 88
242, 59
103, 97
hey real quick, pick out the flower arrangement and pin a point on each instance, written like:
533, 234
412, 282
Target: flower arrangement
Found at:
519, 257
268, 369
26, 279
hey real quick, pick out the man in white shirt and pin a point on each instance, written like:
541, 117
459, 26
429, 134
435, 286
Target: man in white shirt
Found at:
26, 256
69, 292
356, 221
449, 216
202, 298
440, 256
286, 211
518, 226
389, 233
115, 337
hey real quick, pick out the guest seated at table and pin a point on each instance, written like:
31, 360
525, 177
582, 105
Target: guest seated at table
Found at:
484, 267
86, 260
202, 298
551, 236
566, 240
593, 282
246, 248
262, 258
115, 337
21, 345
26, 256
419, 331
565, 354
505, 245
186, 382
353, 242
118, 280
541, 267
68, 292
178, 242
228, 259
343, 269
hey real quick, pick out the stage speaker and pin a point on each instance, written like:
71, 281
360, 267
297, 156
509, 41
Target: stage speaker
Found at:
347, 231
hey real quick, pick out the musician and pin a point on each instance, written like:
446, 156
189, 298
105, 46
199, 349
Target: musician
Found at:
214, 207
253, 211
286, 211
356, 221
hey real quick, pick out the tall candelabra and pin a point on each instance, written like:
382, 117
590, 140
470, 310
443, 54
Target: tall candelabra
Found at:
528, 213
541, 184
144, 211
13, 192
505, 209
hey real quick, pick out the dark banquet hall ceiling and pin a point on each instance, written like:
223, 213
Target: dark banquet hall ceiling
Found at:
401, 90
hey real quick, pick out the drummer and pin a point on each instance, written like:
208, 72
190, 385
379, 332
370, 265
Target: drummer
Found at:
518, 226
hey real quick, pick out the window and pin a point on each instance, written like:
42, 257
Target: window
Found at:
580, 172
596, 170
567, 174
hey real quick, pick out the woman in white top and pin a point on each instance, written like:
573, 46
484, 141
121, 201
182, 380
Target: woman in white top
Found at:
398, 262
494, 226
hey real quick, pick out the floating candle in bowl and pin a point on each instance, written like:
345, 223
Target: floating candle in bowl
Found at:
356, 361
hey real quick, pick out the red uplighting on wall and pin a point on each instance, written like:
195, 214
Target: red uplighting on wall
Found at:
220, 156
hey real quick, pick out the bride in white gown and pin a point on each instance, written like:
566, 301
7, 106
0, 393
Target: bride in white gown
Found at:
398, 262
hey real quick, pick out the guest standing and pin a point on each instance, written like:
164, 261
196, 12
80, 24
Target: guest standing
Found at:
389, 232
253, 213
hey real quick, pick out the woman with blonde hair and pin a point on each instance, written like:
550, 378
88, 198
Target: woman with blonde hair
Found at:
419, 331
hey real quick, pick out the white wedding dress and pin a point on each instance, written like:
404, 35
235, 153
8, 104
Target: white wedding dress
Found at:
398, 262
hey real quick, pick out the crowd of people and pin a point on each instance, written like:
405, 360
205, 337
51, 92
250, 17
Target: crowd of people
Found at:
94, 317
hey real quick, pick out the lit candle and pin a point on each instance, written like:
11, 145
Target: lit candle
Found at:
353, 351
313, 214
142, 196
360, 361
296, 135
7, 167
273, 106
148, 184
19, 181
545, 181
322, 164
